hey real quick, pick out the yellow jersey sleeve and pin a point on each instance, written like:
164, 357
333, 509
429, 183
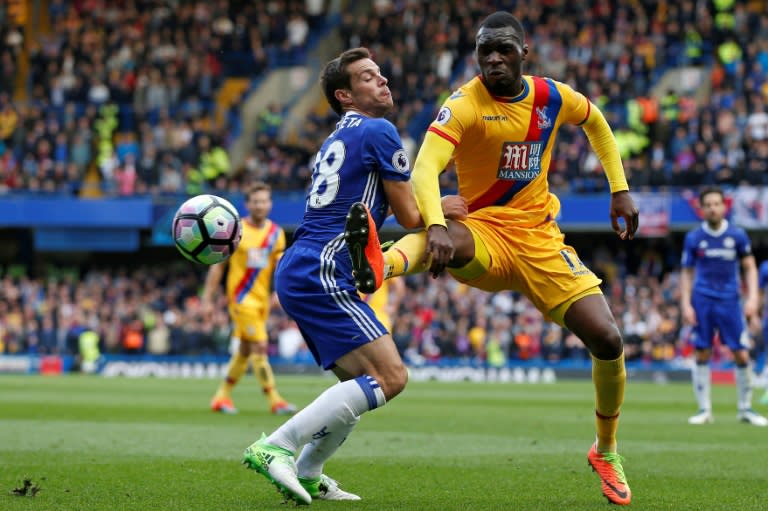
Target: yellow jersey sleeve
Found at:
457, 114
575, 108
434, 155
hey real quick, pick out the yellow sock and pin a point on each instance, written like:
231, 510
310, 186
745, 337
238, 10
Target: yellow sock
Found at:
238, 364
263, 372
609, 378
406, 255
477, 266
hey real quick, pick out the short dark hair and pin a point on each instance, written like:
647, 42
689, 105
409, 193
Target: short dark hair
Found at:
501, 19
257, 186
334, 75
709, 190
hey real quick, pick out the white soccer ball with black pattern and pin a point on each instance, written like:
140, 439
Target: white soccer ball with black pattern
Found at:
207, 229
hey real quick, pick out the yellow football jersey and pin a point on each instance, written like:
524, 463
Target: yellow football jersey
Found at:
249, 280
506, 143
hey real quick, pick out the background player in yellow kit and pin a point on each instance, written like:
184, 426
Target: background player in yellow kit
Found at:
500, 128
249, 290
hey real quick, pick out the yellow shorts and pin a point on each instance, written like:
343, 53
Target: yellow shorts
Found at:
531, 259
249, 324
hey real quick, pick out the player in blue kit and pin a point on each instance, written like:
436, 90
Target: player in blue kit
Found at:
710, 300
361, 163
761, 366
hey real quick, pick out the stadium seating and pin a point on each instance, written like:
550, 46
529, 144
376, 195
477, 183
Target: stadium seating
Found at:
619, 52
101, 100
434, 321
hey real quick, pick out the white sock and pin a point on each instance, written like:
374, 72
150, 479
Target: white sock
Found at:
743, 388
317, 452
336, 408
702, 385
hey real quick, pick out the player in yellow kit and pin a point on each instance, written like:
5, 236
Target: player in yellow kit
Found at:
499, 128
249, 291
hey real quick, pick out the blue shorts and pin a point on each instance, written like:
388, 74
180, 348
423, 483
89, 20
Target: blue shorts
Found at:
315, 287
765, 333
725, 316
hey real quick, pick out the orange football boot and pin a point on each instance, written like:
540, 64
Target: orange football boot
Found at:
364, 248
223, 405
283, 408
608, 467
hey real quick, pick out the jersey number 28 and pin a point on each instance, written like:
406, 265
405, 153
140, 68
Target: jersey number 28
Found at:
325, 175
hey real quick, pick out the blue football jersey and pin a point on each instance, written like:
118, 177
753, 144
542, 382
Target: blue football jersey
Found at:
349, 168
314, 278
762, 282
716, 258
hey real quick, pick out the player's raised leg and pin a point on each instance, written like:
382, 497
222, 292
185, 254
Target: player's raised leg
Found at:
407, 255
362, 238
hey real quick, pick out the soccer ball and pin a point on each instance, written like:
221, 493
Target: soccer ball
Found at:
206, 229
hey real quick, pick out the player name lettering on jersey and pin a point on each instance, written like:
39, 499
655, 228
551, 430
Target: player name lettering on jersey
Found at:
520, 161
349, 121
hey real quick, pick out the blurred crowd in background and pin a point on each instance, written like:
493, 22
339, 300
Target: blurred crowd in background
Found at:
120, 98
156, 310
127, 89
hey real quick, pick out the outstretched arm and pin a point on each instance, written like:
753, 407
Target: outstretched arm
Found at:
433, 156
454, 207
402, 203
212, 281
604, 144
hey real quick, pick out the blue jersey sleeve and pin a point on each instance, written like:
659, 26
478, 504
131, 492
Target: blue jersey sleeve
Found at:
743, 244
384, 151
762, 275
688, 259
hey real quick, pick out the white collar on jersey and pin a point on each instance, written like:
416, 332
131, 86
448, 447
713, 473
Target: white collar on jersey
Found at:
712, 232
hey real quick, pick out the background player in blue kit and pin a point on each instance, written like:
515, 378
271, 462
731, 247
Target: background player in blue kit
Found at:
362, 161
760, 366
710, 300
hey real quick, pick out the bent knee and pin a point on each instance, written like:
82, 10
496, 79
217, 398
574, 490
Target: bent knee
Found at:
394, 380
607, 344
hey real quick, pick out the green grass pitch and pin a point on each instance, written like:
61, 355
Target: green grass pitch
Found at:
92, 443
